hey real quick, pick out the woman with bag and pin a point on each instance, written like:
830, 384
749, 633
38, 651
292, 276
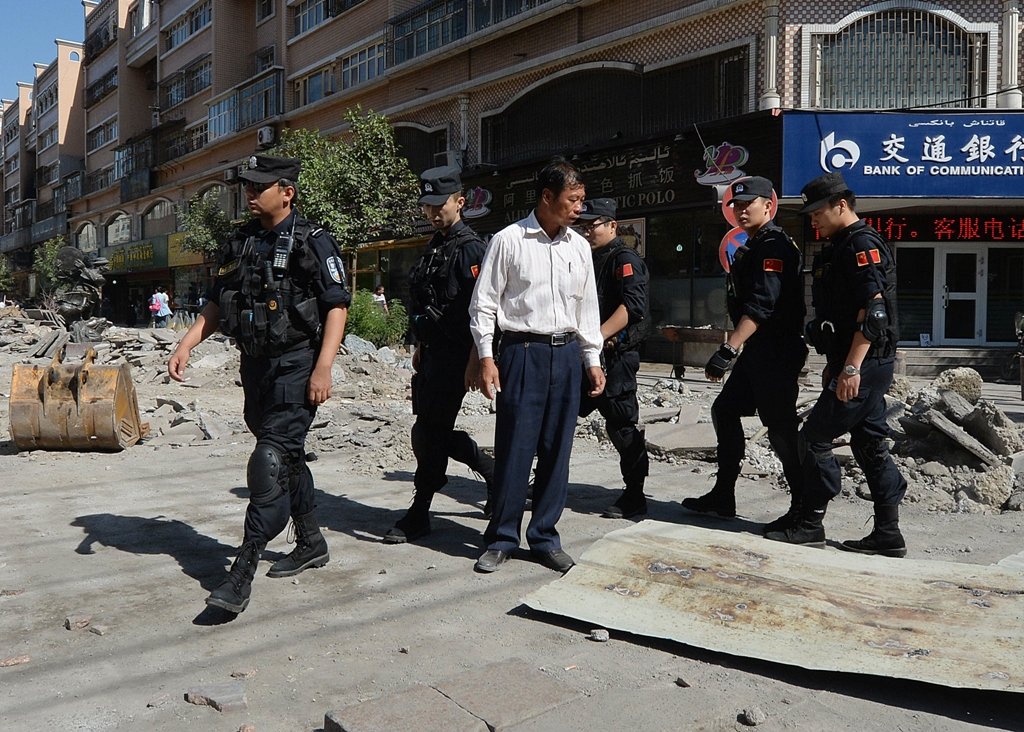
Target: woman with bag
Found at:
159, 307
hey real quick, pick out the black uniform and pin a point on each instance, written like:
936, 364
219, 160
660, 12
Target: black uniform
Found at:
857, 265
441, 284
622, 279
276, 314
764, 283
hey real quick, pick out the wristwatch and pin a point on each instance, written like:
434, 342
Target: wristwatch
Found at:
851, 370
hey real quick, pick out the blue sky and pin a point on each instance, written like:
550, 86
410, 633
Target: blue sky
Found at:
29, 38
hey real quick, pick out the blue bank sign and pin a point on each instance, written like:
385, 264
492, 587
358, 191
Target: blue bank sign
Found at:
909, 155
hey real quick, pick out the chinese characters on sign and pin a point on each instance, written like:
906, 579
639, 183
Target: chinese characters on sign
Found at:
983, 228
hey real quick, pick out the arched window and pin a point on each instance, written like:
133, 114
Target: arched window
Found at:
229, 199
119, 230
87, 238
160, 219
898, 57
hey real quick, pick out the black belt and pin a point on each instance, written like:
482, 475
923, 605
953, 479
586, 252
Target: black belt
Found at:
551, 339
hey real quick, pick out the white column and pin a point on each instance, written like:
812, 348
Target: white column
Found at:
1010, 96
770, 98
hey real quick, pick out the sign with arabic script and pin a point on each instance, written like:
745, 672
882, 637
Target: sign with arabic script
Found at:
909, 155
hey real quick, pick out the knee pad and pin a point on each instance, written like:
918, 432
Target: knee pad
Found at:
266, 475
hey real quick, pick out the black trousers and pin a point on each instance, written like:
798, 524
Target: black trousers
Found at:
864, 418
621, 412
536, 415
278, 413
765, 380
438, 389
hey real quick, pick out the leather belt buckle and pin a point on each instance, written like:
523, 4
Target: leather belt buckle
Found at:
559, 339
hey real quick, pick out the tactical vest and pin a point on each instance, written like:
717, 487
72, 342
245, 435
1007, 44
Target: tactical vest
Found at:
833, 302
632, 335
431, 291
739, 284
267, 302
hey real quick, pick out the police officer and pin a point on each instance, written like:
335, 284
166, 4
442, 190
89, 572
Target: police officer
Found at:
855, 327
764, 291
280, 293
622, 293
445, 360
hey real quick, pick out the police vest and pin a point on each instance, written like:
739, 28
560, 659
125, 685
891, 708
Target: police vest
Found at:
268, 303
632, 335
739, 284
431, 291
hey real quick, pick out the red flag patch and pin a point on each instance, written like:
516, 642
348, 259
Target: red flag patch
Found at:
876, 257
862, 259
773, 265
475, 270
627, 270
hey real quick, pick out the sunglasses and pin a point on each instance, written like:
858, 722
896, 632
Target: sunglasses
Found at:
591, 225
259, 187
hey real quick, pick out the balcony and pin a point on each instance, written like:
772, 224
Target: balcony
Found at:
15, 240
55, 225
99, 41
142, 47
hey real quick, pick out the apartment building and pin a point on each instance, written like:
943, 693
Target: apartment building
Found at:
660, 103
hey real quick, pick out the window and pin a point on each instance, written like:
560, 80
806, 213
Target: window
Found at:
47, 174
159, 220
264, 59
48, 137
12, 195
309, 14
99, 89
12, 164
200, 16
101, 135
119, 230
10, 133
362, 66
190, 81
222, 118
185, 142
313, 87
87, 238
426, 29
46, 99
264, 9
258, 101
927, 60
99, 179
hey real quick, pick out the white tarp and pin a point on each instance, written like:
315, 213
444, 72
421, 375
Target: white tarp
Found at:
958, 625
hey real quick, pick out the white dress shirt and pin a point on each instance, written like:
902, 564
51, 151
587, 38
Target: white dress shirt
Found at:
531, 283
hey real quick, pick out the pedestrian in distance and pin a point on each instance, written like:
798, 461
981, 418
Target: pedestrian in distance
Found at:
765, 298
159, 307
280, 294
855, 327
445, 358
537, 286
623, 298
379, 299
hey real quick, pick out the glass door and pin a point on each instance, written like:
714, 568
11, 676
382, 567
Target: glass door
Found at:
960, 277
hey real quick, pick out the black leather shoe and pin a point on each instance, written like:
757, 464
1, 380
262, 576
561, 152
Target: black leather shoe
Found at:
555, 559
491, 559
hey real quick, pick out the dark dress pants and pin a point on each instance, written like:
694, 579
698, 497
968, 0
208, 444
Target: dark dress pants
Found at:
864, 418
278, 413
536, 415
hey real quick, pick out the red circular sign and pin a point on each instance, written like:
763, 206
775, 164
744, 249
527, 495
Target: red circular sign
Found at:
733, 240
730, 214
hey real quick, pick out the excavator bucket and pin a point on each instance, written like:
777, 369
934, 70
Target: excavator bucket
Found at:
78, 406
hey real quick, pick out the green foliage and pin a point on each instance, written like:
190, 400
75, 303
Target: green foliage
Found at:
359, 188
205, 224
6, 273
44, 262
368, 320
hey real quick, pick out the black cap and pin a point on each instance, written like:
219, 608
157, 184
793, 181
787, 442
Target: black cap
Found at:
817, 193
437, 184
597, 208
265, 169
750, 188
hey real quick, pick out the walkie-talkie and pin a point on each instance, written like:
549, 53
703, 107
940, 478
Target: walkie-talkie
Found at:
282, 250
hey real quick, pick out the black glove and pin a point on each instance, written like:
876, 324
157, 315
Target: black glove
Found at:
821, 335
718, 363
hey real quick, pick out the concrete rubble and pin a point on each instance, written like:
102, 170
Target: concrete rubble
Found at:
959, 452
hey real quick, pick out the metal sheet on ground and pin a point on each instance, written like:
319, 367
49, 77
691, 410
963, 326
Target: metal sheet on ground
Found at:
945, 623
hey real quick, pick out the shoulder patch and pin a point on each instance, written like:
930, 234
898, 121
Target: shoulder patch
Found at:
229, 267
475, 271
772, 265
626, 270
876, 257
336, 269
862, 259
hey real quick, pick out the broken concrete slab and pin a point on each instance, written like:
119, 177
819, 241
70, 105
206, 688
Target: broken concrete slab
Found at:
228, 696
938, 622
506, 693
960, 436
694, 441
413, 710
653, 415
955, 406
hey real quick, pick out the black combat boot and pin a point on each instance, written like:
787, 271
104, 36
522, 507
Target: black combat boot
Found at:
717, 502
632, 502
787, 520
885, 539
808, 529
233, 593
414, 525
310, 549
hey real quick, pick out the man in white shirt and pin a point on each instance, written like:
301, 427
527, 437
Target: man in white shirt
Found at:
537, 286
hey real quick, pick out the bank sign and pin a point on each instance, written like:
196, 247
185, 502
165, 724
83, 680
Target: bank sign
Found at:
907, 155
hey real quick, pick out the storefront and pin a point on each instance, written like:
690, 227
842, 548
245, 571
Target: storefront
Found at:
191, 275
946, 189
136, 268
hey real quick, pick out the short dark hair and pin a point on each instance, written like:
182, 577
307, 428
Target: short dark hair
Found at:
848, 196
556, 176
285, 183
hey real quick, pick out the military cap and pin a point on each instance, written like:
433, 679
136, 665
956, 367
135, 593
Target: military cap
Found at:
437, 184
598, 208
818, 192
267, 169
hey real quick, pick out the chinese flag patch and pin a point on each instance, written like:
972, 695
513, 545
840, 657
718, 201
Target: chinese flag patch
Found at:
627, 270
862, 259
475, 270
876, 258
773, 265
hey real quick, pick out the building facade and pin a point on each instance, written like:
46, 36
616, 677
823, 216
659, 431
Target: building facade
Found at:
660, 103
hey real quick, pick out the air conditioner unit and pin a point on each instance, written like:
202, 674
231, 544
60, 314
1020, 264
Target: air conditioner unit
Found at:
265, 135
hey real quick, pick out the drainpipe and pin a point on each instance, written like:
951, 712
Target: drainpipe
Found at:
770, 96
463, 129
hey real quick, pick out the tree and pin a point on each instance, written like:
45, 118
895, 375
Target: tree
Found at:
359, 187
44, 262
6, 273
205, 224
